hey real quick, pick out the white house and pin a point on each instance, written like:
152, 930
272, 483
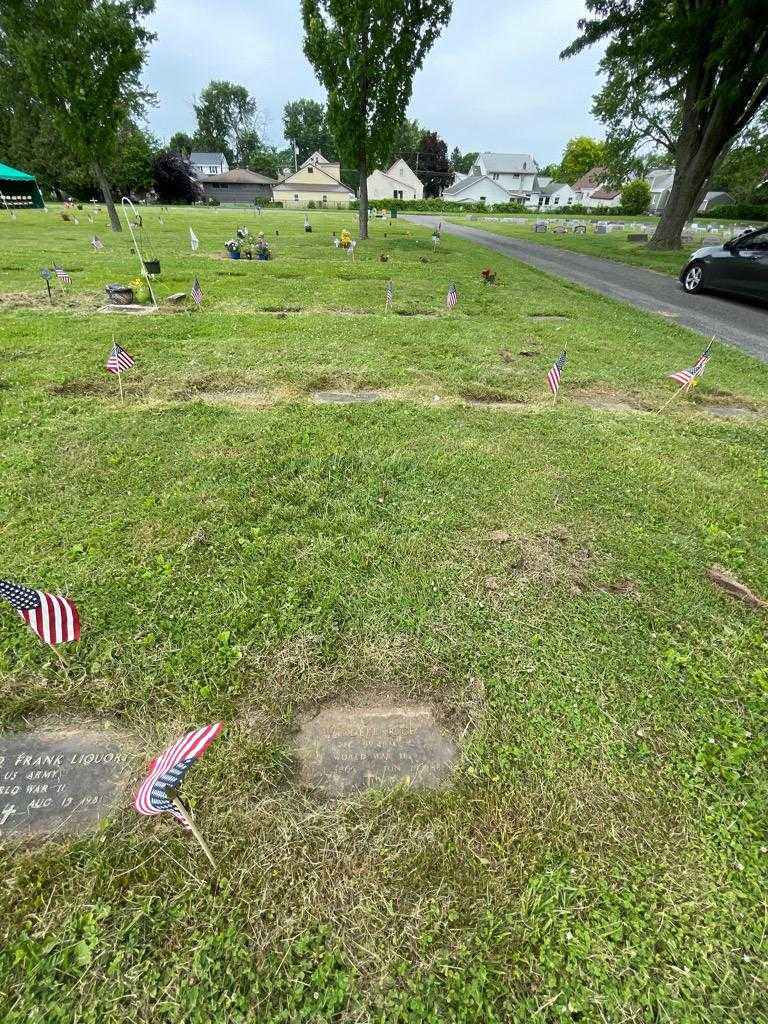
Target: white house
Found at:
660, 182
209, 163
556, 193
397, 182
515, 172
316, 181
477, 188
603, 198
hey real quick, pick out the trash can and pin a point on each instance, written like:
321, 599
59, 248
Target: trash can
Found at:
393, 213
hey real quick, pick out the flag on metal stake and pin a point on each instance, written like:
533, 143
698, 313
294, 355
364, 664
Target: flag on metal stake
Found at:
194, 241
197, 292
687, 376
97, 243
453, 297
55, 619
390, 295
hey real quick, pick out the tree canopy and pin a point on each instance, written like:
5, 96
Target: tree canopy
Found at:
688, 76
305, 125
433, 167
227, 121
83, 60
365, 53
580, 155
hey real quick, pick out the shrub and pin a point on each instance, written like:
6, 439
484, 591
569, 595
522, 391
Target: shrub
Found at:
737, 211
636, 197
213, 202
311, 204
277, 205
262, 201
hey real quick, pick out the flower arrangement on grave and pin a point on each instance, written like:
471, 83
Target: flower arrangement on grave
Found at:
140, 290
346, 238
488, 275
263, 252
233, 246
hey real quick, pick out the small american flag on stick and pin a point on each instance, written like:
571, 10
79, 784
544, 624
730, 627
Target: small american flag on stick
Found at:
194, 241
55, 619
62, 275
555, 373
390, 295
453, 296
687, 376
97, 243
197, 292
119, 360
166, 772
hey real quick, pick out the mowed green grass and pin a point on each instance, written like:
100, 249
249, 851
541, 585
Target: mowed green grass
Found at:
611, 246
601, 853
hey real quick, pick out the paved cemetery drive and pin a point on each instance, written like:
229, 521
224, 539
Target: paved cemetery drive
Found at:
740, 324
345, 750
58, 780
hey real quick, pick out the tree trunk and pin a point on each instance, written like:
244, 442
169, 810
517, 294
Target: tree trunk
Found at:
106, 191
362, 194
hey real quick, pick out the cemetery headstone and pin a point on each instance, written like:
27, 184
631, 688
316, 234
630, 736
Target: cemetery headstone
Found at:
601, 229
580, 229
59, 780
344, 750
639, 237
540, 227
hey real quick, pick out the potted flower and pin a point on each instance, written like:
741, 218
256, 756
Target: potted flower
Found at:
488, 275
233, 248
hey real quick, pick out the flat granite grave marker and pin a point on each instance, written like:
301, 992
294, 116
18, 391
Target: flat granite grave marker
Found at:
345, 396
344, 750
59, 780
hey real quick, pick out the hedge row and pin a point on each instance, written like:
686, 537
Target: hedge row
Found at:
738, 211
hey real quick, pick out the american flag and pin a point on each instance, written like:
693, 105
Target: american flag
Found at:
553, 377
453, 296
53, 618
119, 360
167, 771
686, 376
197, 292
351, 248
97, 243
194, 241
62, 275
390, 293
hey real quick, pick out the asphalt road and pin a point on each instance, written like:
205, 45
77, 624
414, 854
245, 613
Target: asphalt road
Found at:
738, 323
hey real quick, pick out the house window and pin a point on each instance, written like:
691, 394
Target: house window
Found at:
482, 199
296, 197
495, 177
325, 199
557, 200
310, 170
401, 174
570, 200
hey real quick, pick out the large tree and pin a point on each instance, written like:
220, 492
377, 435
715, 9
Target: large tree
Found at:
83, 59
687, 75
305, 125
433, 167
405, 145
227, 121
580, 155
365, 53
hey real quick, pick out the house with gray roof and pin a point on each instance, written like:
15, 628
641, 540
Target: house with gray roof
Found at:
237, 186
515, 172
556, 194
208, 163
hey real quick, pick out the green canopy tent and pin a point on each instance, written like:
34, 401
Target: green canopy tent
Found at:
18, 190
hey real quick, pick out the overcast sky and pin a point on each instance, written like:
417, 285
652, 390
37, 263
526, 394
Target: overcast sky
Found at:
492, 81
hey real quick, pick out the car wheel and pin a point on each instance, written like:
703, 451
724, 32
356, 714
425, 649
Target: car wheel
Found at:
694, 278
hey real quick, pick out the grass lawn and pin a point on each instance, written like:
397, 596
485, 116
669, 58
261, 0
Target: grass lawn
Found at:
612, 246
601, 853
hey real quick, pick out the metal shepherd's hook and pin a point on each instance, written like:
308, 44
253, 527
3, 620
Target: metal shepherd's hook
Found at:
127, 202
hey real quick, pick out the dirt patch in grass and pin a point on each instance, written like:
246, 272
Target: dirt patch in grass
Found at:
487, 395
39, 300
283, 309
548, 559
728, 411
245, 398
609, 401
420, 314
82, 389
